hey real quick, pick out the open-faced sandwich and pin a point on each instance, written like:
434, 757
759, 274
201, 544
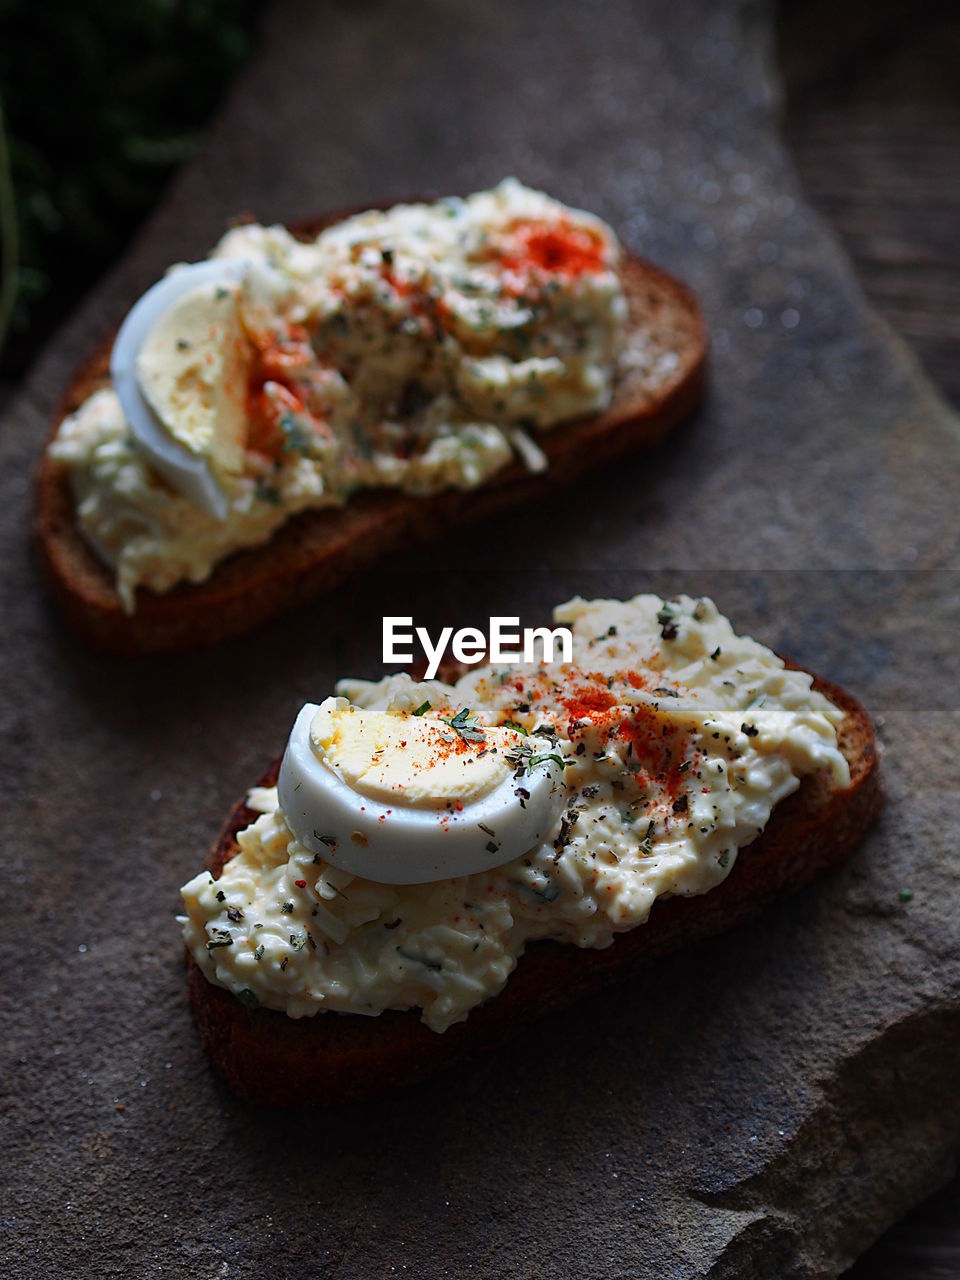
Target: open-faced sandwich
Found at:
288, 409
435, 864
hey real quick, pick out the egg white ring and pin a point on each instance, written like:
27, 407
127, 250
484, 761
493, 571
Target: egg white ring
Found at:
188, 473
391, 844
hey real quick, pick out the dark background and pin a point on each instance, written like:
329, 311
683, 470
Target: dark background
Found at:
872, 112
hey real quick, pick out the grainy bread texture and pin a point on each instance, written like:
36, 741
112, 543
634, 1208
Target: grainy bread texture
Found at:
317, 549
273, 1060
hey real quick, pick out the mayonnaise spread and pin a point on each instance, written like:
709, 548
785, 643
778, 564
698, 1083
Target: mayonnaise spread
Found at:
678, 738
413, 349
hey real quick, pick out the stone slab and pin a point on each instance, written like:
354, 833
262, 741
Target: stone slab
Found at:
763, 1106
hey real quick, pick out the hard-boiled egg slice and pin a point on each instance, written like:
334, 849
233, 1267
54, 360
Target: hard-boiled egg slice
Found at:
145, 382
407, 799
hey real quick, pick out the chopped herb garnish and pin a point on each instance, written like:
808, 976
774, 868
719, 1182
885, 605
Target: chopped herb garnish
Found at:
286, 907
557, 759
667, 621
422, 710
548, 893
524, 760
465, 726
567, 823
429, 964
296, 439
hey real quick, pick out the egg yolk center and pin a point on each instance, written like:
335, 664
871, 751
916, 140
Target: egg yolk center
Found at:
412, 761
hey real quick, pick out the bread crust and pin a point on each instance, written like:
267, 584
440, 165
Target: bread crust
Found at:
316, 550
273, 1060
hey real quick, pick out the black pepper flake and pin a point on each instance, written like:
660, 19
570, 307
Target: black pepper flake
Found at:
392, 924
668, 626
220, 895
681, 804
567, 823
716, 653
750, 730
491, 847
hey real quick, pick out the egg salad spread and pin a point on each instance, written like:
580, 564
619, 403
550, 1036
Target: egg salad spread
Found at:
677, 739
413, 349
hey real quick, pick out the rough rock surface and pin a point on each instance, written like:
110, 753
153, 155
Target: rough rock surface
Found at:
763, 1106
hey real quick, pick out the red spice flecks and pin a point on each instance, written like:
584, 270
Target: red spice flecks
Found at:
634, 679
554, 248
265, 409
589, 701
301, 884
279, 357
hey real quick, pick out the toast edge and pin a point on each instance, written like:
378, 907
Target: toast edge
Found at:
271, 1060
246, 589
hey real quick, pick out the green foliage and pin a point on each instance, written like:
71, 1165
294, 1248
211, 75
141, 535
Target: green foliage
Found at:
100, 100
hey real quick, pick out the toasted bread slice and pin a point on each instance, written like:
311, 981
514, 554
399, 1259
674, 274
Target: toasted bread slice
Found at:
315, 550
274, 1060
